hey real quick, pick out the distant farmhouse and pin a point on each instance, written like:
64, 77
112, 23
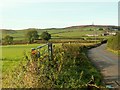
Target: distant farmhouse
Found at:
91, 35
108, 33
103, 34
112, 33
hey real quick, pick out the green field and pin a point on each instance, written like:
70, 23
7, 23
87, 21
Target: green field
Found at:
13, 54
16, 51
72, 32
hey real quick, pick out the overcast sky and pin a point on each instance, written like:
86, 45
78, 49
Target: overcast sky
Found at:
21, 14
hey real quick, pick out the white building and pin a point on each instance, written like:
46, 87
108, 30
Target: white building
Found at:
91, 35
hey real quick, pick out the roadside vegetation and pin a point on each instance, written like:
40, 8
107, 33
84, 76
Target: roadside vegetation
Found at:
114, 43
69, 68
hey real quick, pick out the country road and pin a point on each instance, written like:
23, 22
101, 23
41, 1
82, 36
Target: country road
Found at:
107, 63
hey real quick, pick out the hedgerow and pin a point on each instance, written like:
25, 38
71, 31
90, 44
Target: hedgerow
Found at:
69, 68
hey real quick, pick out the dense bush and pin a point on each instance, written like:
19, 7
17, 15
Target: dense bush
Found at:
114, 42
70, 68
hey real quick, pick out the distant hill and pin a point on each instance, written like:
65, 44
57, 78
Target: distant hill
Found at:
71, 27
6, 31
99, 26
67, 33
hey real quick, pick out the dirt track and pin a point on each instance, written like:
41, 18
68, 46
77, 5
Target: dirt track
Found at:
107, 63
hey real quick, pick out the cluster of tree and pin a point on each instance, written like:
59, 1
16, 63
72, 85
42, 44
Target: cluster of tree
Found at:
33, 35
114, 42
30, 36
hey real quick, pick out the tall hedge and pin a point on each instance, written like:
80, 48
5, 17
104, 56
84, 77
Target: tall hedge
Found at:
114, 42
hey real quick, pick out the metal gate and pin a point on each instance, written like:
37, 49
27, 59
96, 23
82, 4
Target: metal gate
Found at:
48, 50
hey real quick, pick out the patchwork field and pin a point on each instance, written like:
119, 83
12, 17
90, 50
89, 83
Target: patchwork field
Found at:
72, 32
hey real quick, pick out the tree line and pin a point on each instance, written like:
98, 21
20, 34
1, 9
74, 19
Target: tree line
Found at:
30, 36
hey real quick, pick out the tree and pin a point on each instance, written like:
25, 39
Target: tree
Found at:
8, 39
32, 35
46, 36
100, 29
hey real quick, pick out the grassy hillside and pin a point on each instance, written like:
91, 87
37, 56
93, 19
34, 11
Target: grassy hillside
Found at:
68, 32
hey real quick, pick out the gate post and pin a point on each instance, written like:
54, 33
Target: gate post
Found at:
50, 51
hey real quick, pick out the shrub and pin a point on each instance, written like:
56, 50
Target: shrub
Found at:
114, 42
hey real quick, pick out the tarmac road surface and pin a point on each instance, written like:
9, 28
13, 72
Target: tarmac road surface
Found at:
107, 63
